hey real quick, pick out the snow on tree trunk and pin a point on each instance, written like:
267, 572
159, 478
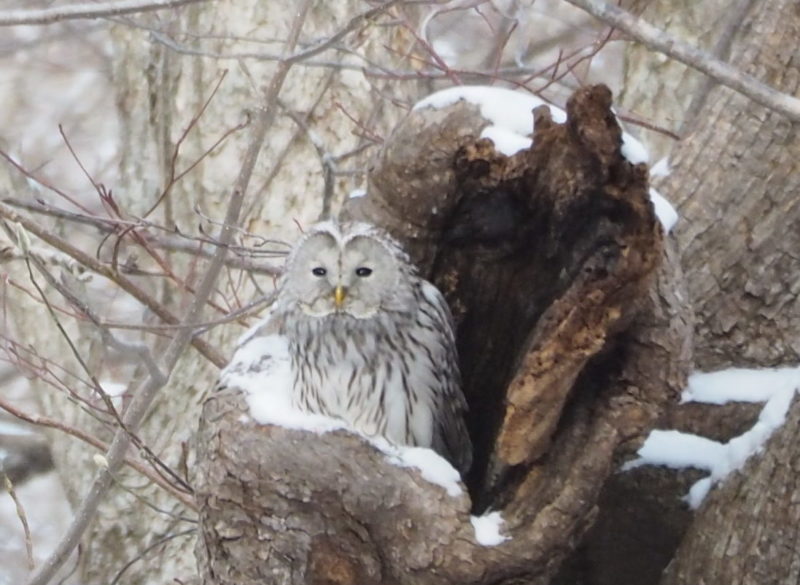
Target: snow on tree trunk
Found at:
747, 530
736, 184
734, 181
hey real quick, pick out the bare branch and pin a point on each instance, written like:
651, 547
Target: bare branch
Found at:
23, 518
43, 421
693, 57
81, 11
128, 286
170, 241
147, 392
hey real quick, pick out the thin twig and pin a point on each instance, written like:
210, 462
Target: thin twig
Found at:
690, 55
173, 242
213, 355
23, 518
84, 11
145, 394
142, 554
43, 421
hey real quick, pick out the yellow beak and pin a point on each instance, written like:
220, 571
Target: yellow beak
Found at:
338, 296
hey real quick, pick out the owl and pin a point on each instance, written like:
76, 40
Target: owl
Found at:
365, 340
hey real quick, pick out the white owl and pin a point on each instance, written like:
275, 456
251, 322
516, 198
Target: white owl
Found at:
356, 335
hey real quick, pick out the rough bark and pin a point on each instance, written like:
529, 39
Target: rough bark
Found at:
746, 531
548, 259
740, 236
735, 181
735, 184
651, 79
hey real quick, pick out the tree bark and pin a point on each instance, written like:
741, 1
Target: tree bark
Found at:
746, 531
578, 360
734, 183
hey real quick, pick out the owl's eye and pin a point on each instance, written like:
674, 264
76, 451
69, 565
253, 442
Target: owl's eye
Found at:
319, 271
363, 271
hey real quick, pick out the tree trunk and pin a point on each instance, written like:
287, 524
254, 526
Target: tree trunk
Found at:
734, 180
739, 235
746, 532
559, 374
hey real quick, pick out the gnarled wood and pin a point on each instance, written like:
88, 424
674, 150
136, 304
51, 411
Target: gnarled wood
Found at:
569, 348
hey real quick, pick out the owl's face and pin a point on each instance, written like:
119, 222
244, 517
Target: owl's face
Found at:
349, 273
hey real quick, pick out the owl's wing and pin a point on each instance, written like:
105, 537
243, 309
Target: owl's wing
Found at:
450, 437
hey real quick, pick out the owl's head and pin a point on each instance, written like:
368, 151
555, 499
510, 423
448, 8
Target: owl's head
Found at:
353, 268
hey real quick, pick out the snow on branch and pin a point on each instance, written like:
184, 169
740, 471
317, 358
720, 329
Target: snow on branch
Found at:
691, 56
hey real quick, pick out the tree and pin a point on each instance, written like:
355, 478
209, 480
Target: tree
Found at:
576, 373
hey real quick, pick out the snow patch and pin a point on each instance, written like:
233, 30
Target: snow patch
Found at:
433, 467
739, 385
665, 212
511, 129
356, 193
487, 529
505, 141
633, 150
678, 450
661, 168
261, 368
113, 388
509, 111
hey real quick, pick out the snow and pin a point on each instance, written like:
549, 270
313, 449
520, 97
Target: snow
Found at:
113, 388
261, 368
509, 111
633, 150
487, 529
356, 193
506, 141
433, 467
502, 107
677, 450
511, 127
739, 385
665, 212
661, 168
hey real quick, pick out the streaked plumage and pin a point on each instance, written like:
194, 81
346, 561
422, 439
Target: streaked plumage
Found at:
369, 341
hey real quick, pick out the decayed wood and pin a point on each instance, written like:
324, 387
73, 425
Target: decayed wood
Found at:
570, 341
